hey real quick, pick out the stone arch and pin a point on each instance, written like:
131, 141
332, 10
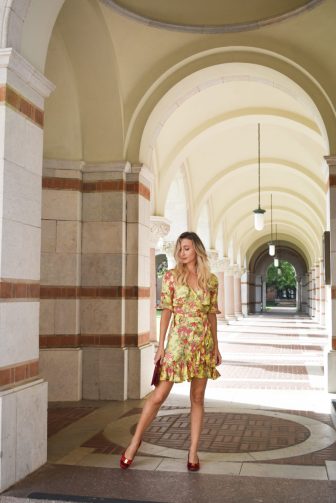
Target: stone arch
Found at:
220, 55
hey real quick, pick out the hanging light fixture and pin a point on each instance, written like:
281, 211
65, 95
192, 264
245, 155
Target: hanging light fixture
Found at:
276, 260
271, 246
259, 212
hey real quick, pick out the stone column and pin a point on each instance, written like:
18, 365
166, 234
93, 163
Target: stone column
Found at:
311, 309
298, 294
159, 227
137, 291
322, 295
258, 293
229, 291
305, 293
263, 294
245, 292
221, 298
317, 284
331, 356
60, 353
237, 293
168, 248
23, 393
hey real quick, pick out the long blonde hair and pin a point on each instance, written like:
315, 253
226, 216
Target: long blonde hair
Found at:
202, 262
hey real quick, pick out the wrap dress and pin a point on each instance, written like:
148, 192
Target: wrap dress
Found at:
189, 351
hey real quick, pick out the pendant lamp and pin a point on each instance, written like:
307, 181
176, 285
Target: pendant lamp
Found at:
259, 220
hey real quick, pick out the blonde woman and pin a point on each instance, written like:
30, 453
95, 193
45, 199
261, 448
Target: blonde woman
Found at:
189, 294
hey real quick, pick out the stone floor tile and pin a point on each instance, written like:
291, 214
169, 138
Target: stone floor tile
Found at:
74, 457
331, 469
284, 471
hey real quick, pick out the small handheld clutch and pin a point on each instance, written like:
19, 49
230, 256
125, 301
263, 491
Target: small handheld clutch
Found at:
156, 374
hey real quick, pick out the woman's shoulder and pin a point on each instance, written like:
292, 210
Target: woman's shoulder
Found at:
169, 275
213, 281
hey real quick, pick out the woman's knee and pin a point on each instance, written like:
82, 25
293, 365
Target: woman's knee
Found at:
158, 397
197, 398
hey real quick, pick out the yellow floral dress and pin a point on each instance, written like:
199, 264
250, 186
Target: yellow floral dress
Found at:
190, 348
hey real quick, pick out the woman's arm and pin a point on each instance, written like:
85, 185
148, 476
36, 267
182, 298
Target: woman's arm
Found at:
164, 324
213, 327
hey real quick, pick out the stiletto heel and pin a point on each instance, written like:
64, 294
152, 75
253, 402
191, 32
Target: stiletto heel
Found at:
126, 462
193, 467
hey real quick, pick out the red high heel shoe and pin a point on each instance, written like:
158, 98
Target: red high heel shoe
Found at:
125, 462
193, 467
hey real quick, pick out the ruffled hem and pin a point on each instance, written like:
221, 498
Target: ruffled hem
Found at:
184, 371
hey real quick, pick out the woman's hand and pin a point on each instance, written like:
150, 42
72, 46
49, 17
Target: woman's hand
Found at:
218, 357
159, 355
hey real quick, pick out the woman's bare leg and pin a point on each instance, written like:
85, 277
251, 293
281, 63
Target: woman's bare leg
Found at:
149, 412
197, 391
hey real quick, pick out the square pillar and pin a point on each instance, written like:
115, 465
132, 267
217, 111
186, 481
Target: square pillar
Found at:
245, 290
330, 366
23, 395
137, 286
61, 247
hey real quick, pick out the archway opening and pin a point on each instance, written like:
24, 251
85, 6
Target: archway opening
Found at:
281, 287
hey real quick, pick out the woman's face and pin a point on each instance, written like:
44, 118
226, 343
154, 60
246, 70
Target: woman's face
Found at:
187, 253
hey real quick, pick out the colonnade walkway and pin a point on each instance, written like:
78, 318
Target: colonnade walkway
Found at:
268, 435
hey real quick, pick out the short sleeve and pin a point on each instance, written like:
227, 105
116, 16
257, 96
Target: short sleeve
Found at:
214, 295
167, 292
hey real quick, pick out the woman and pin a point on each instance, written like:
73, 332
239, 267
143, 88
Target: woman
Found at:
189, 292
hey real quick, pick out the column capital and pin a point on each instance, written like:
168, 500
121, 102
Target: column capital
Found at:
168, 248
159, 229
331, 160
19, 74
213, 259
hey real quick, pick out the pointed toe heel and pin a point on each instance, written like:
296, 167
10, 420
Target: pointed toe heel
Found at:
193, 467
126, 462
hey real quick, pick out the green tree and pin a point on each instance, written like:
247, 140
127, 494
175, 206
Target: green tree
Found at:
281, 277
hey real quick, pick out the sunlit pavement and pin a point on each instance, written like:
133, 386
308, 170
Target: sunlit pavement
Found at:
268, 417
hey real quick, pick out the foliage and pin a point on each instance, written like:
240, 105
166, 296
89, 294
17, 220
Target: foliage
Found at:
284, 279
162, 268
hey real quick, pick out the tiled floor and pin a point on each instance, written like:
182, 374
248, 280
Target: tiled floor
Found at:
267, 418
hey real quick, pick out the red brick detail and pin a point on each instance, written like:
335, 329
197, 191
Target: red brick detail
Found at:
137, 340
94, 340
137, 292
109, 292
59, 341
333, 292
332, 180
102, 340
23, 106
59, 292
334, 343
55, 183
93, 292
105, 186
138, 188
96, 186
18, 373
19, 290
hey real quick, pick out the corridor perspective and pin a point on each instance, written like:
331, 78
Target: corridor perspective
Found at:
269, 431
124, 123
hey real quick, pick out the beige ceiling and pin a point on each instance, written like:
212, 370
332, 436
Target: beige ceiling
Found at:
185, 103
211, 12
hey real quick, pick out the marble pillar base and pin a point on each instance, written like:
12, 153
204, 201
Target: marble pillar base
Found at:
140, 370
62, 369
105, 373
330, 371
23, 431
